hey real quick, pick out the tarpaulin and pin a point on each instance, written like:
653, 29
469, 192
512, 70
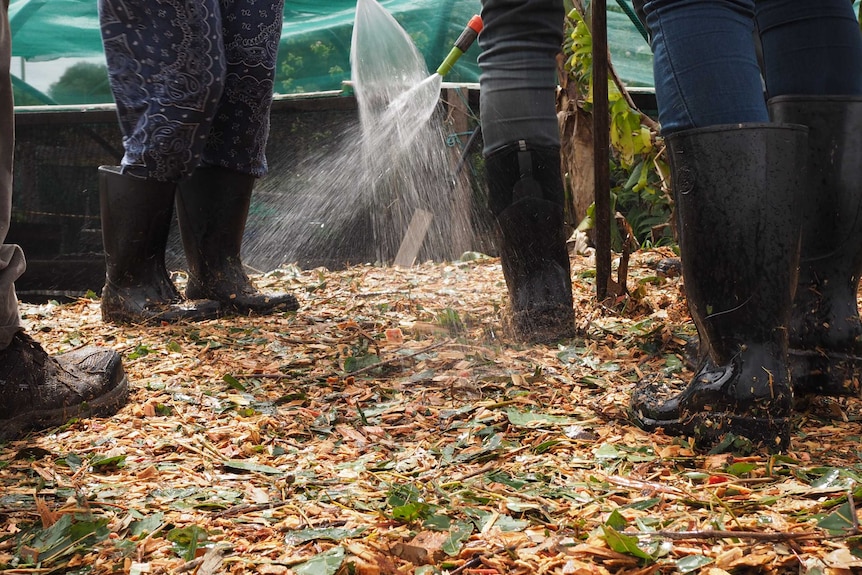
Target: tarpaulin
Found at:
315, 46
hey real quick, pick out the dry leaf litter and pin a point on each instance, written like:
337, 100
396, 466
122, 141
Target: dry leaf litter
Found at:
390, 427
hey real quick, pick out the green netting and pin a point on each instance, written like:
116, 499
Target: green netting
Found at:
315, 47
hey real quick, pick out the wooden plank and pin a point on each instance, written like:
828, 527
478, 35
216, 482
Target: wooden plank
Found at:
412, 241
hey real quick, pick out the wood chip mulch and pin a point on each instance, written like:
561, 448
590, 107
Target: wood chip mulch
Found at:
390, 426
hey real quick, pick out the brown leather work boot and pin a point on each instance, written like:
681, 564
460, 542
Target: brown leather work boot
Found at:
40, 391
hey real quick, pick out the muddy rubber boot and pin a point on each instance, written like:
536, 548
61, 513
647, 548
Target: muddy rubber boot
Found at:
526, 196
41, 391
212, 208
136, 220
737, 191
825, 329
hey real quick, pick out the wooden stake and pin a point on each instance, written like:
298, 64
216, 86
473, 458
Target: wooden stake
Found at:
416, 232
601, 148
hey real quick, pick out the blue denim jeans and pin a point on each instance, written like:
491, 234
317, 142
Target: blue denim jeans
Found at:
706, 65
519, 42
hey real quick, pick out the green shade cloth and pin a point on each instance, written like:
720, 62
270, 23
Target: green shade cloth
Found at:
315, 46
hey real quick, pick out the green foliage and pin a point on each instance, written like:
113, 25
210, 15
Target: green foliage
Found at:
326, 563
187, 540
140, 351
47, 546
637, 166
82, 83
407, 503
311, 65
451, 320
578, 49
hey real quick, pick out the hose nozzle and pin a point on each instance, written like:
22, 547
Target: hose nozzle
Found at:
464, 41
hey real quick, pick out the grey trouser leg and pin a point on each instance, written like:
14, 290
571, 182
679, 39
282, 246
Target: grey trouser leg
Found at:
520, 41
11, 257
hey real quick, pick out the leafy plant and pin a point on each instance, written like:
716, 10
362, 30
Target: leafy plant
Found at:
407, 503
637, 169
82, 83
49, 545
451, 320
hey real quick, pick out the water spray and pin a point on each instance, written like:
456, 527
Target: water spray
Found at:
403, 173
423, 97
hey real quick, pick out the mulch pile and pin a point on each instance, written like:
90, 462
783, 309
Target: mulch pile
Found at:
390, 427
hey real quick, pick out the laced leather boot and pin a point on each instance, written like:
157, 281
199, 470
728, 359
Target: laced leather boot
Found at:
41, 391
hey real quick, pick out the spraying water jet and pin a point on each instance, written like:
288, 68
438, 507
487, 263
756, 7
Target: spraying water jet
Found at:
404, 153
427, 92
359, 181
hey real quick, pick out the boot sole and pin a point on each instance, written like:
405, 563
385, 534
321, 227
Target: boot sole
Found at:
709, 429
103, 406
284, 306
114, 312
259, 303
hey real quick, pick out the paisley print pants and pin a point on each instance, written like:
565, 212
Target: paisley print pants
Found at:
193, 81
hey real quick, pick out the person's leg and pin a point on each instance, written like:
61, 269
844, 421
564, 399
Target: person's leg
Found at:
166, 68
520, 41
136, 219
813, 70
213, 203
812, 48
736, 186
37, 390
11, 258
212, 208
240, 129
736, 191
705, 63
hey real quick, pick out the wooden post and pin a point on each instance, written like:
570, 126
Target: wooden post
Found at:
601, 145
